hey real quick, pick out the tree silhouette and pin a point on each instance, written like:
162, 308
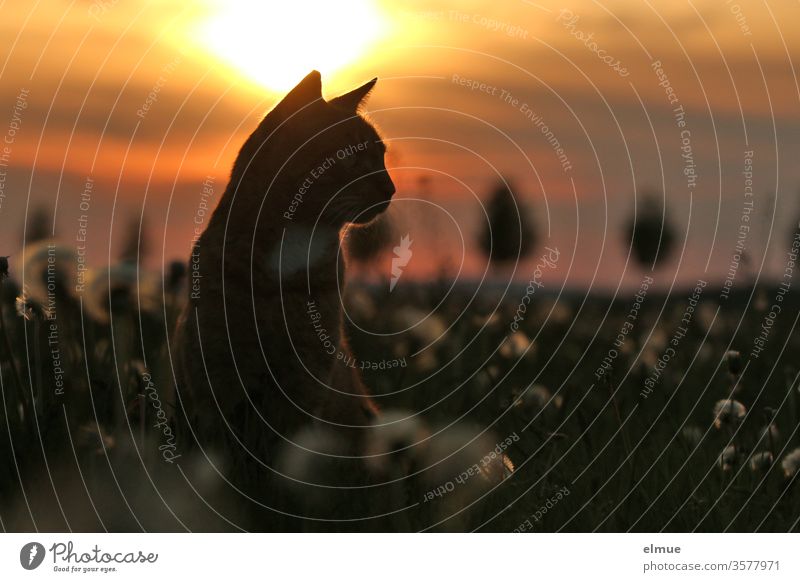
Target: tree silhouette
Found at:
40, 225
649, 232
509, 234
135, 247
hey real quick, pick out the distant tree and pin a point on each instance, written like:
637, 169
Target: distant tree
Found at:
649, 231
510, 233
135, 245
40, 225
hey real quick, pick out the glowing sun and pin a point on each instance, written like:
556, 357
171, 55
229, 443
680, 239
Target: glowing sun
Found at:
276, 44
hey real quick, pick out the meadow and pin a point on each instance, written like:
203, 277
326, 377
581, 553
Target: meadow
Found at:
507, 407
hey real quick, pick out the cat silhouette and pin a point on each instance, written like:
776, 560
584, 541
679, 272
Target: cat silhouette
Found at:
260, 353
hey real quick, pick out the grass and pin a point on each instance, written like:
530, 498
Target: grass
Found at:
79, 451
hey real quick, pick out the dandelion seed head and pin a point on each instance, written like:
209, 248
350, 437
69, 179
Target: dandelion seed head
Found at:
28, 308
394, 434
728, 412
534, 397
727, 458
49, 266
516, 346
768, 434
761, 462
734, 360
122, 285
791, 463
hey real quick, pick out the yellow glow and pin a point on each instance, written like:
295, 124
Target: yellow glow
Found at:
276, 44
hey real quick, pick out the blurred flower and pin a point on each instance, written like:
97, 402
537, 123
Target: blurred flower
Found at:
728, 413
692, 434
94, 437
761, 302
49, 268
734, 360
497, 469
705, 353
426, 361
28, 308
791, 463
727, 459
312, 457
556, 311
516, 346
486, 378
648, 357
121, 286
657, 340
706, 316
425, 327
761, 462
489, 321
769, 434
460, 451
396, 435
360, 304
536, 397
459, 465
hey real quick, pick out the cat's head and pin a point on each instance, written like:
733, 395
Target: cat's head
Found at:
325, 153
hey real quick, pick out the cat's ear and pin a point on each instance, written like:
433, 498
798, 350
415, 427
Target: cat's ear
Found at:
307, 91
351, 101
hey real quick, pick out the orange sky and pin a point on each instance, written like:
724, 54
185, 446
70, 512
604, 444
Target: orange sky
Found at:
88, 68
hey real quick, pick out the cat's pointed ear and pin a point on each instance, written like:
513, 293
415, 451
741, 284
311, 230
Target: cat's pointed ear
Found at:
307, 91
354, 99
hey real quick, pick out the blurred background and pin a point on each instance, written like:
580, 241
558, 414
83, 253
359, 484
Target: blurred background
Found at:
573, 103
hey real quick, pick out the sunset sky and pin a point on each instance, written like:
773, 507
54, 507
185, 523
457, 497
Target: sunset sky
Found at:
151, 99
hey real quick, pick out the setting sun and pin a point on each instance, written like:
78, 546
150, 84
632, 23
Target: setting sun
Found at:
275, 44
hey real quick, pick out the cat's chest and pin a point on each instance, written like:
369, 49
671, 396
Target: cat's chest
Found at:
301, 250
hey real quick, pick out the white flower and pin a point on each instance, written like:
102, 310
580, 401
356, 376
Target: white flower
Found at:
463, 452
537, 397
728, 412
29, 309
121, 282
360, 304
769, 434
727, 458
791, 463
490, 321
426, 328
761, 462
310, 463
394, 434
425, 361
734, 360
516, 346
91, 436
48, 267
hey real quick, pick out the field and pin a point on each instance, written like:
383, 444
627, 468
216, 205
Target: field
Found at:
508, 409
